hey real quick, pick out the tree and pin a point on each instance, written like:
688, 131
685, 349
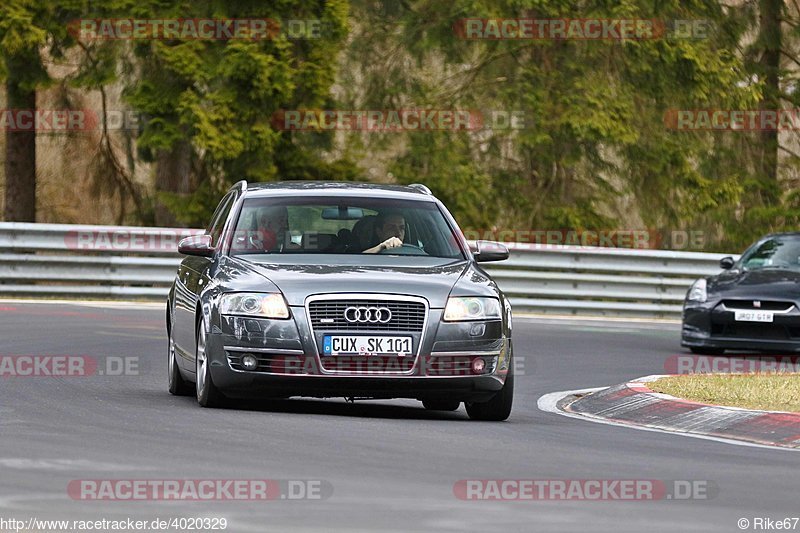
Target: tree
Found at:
209, 103
594, 143
769, 44
27, 29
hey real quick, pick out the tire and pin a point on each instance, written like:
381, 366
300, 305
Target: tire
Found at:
441, 405
707, 351
498, 408
207, 393
177, 385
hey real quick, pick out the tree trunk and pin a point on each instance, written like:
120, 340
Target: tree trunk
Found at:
173, 175
770, 38
20, 164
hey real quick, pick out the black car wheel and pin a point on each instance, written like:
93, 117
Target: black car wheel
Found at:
707, 351
207, 393
177, 385
441, 405
496, 409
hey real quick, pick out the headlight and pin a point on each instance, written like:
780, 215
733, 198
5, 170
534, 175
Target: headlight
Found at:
461, 309
254, 304
697, 293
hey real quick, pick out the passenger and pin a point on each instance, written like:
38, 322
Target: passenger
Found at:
389, 230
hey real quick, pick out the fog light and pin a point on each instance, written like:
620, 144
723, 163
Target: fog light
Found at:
249, 362
477, 330
478, 365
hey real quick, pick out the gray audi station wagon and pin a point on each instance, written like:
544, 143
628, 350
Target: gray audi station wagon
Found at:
339, 289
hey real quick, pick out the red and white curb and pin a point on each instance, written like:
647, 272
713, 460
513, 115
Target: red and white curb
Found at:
635, 405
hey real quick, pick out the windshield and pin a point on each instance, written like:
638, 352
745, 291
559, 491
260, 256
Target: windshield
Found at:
343, 225
774, 252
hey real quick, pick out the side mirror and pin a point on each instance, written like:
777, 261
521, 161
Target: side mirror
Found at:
487, 251
726, 263
199, 245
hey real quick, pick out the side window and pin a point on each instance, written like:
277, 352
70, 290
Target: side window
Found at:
219, 218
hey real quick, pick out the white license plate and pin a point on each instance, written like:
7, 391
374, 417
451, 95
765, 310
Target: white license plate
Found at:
753, 316
366, 345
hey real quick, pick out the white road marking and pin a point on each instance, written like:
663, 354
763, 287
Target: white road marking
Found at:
548, 403
103, 304
21, 463
589, 318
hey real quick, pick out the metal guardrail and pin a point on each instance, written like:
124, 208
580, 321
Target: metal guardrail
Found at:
61, 261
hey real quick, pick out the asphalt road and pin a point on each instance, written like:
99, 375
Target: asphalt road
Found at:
391, 464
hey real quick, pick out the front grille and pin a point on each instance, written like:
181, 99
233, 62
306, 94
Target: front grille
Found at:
747, 305
329, 315
773, 332
364, 364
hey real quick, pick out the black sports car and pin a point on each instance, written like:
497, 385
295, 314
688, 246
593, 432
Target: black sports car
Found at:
752, 305
339, 290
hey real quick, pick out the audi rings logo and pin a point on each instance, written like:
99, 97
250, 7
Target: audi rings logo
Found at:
368, 315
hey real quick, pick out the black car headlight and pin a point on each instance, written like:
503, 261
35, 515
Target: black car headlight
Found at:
697, 292
461, 309
263, 305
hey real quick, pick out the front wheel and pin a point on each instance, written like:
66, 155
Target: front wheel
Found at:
207, 393
496, 409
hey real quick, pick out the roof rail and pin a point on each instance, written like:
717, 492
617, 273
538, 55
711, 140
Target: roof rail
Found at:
240, 184
421, 188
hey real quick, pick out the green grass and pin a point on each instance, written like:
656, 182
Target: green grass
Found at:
771, 392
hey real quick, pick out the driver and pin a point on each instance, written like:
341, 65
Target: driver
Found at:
390, 230
273, 224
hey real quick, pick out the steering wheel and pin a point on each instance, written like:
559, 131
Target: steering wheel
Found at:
405, 249
779, 263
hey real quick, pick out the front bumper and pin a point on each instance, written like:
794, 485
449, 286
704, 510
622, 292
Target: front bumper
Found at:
712, 325
290, 363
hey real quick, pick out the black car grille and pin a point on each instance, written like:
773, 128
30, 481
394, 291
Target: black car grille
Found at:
759, 331
358, 364
329, 315
765, 305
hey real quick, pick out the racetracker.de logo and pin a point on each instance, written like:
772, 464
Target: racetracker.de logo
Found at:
14, 366
584, 489
732, 119
387, 120
396, 120
48, 120
126, 240
758, 364
199, 489
643, 239
559, 29
187, 29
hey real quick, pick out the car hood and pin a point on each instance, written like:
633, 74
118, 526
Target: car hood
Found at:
768, 283
297, 281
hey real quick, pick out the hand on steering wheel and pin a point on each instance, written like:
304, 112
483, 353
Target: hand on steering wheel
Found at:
391, 242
